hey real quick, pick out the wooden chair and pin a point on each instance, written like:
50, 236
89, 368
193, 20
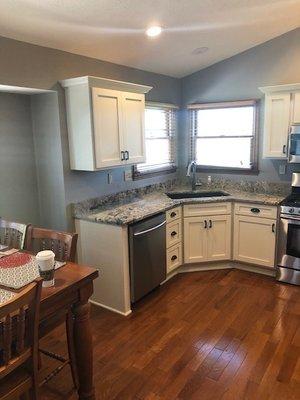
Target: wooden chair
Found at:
19, 323
12, 234
63, 245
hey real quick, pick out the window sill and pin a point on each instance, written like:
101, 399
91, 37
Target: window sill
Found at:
136, 175
222, 170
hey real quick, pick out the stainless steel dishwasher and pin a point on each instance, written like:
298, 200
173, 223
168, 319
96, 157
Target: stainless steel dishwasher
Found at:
147, 254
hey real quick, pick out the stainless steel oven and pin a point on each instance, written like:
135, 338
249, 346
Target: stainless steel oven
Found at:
288, 244
294, 144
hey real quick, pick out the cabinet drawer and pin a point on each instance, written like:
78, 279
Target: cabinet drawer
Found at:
174, 257
255, 210
174, 232
195, 210
173, 214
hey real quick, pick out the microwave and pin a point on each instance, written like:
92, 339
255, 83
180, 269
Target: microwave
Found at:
294, 144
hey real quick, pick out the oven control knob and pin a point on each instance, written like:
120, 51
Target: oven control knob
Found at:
291, 210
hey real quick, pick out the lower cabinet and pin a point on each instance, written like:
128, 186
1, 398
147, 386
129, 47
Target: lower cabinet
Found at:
174, 257
254, 240
207, 238
174, 238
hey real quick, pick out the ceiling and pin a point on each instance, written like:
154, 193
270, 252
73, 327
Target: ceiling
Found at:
113, 30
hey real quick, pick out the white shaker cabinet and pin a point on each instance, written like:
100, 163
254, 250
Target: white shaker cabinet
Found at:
296, 108
282, 109
105, 122
255, 234
208, 237
133, 105
276, 126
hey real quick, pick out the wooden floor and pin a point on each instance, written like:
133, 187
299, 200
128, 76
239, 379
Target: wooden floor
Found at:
206, 335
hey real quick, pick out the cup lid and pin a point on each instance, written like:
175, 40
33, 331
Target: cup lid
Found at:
45, 255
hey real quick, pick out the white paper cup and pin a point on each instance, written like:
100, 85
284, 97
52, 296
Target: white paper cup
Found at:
46, 265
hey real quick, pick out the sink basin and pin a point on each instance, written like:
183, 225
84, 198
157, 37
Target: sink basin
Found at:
190, 195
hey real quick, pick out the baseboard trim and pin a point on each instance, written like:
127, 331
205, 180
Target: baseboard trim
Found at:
125, 314
205, 267
255, 268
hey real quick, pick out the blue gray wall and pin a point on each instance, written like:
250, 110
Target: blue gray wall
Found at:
23, 64
18, 182
272, 63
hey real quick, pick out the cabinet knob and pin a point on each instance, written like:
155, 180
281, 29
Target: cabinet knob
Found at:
173, 233
173, 214
255, 210
173, 258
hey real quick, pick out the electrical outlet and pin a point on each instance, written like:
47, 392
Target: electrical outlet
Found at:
109, 178
128, 175
282, 169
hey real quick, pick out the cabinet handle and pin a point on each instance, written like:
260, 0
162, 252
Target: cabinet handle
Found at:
273, 228
173, 233
255, 210
210, 224
122, 155
173, 258
173, 214
126, 155
284, 149
205, 224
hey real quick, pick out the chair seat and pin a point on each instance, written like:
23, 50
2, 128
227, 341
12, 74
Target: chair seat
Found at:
15, 384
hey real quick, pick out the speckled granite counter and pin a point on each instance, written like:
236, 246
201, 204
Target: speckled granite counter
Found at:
145, 205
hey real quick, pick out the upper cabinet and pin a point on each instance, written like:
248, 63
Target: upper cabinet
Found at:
282, 108
105, 122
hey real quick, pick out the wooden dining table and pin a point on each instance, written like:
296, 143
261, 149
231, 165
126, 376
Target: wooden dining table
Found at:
71, 292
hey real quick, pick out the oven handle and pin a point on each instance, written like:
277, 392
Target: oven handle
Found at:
295, 221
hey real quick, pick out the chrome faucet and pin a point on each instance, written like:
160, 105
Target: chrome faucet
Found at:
191, 171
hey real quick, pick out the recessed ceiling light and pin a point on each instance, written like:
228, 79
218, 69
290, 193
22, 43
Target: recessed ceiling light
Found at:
200, 50
153, 31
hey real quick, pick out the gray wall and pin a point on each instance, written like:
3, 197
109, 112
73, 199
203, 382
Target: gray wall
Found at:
49, 165
23, 64
272, 63
18, 184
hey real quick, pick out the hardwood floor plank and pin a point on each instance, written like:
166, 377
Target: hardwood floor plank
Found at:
215, 335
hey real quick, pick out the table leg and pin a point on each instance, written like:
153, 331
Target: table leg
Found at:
84, 351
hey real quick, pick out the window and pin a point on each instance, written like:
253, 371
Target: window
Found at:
224, 135
160, 127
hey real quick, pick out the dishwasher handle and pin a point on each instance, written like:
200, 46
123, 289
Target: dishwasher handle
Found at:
150, 229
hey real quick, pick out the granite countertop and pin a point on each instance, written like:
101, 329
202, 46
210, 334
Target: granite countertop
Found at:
146, 205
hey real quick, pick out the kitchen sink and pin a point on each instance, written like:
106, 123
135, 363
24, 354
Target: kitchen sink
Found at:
190, 195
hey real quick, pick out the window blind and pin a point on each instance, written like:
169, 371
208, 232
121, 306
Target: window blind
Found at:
160, 135
223, 135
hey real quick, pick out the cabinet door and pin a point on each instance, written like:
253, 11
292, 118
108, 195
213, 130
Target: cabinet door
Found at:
133, 107
195, 239
219, 237
277, 119
296, 108
107, 127
254, 240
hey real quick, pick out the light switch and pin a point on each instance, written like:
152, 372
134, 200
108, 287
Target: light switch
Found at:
109, 178
128, 175
282, 169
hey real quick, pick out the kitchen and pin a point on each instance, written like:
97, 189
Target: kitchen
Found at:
181, 177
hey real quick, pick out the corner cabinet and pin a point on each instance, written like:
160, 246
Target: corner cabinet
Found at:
105, 122
207, 237
282, 108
